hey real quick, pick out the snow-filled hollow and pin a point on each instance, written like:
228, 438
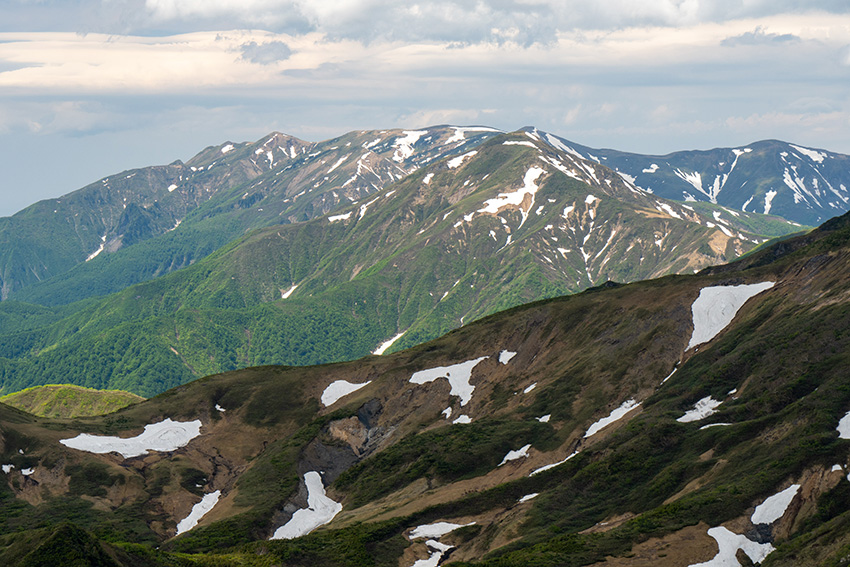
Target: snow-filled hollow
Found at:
320, 510
165, 436
716, 306
199, 510
339, 389
382, 348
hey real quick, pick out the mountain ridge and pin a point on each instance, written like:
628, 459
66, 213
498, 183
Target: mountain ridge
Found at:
593, 388
509, 222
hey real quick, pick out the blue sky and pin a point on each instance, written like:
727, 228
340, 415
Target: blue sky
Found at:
92, 87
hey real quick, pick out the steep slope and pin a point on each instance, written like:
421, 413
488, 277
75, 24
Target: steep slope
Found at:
509, 222
142, 223
804, 185
587, 429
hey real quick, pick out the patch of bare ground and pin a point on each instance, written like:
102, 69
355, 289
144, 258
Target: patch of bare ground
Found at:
678, 549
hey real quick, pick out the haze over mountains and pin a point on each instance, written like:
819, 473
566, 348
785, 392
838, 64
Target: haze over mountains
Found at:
389, 238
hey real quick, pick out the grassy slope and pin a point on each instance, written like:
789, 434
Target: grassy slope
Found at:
66, 401
587, 353
410, 264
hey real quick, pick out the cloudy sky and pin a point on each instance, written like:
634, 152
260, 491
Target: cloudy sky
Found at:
92, 87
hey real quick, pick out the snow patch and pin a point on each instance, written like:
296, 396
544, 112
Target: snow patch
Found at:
387, 344
519, 143
520, 453
844, 427
768, 200
287, 293
811, 154
27, 472
714, 425
405, 145
716, 306
454, 163
427, 179
458, 376
7, 468
529, 388
338, 163
553, 465
219, 408
172, 187
702, 409
775, 506
164, 436
227, 148
505, 356
729, 543
436, 530
462, 419
320, 510
94, 254
198, 511
651, 169
338, 389
335, 218
528, 497
529, 187
615, 415
545, 418
460, 133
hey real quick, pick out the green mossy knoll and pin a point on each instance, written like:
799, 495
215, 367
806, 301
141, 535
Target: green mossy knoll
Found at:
69, 401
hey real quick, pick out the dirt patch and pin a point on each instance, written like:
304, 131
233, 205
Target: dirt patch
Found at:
679, 549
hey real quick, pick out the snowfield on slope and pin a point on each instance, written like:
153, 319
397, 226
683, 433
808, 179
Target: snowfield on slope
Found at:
716, 306
458, 376
615, 415
199, 510
339, 389
320, 510
702, 409
729, 543
775, 506
164, 436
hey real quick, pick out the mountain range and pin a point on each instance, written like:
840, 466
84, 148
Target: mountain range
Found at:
688, 420
800, 184
309, 254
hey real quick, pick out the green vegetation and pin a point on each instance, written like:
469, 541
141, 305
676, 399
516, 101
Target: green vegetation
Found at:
66, 401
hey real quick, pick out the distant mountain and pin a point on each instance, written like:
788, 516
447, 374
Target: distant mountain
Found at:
801, 184
166, 217
668, 422
513, 220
